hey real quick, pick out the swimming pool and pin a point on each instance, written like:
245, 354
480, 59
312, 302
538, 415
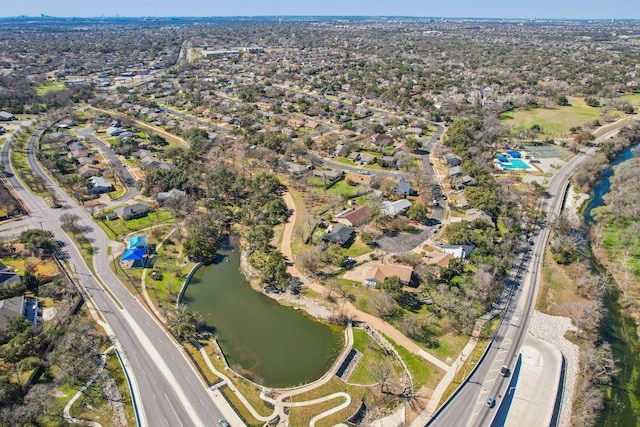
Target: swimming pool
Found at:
515, 164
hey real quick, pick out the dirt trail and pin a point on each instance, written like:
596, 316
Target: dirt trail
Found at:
346, 306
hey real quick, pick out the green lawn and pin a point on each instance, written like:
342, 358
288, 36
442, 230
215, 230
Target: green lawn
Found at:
422, 372
44, 88
373, 357
555, 121
344, 190
357, 248
632, 98
345, 161
117, 229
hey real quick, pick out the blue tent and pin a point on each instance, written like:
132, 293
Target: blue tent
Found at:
514, 154
136, 242
502, 159
134, 255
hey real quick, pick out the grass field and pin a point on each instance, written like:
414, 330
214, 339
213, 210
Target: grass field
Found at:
554, 121
556, 290
44, 88
301, 416
373, 356
43, 268
116, 229
423, 373
632, 98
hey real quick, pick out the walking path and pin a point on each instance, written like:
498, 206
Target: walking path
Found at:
279, 404
67, 408
347, 308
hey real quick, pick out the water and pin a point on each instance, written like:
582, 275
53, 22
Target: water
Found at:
515, 164
603, 185
622, 402
278, 344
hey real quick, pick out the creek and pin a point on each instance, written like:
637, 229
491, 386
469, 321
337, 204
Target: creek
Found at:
622, 398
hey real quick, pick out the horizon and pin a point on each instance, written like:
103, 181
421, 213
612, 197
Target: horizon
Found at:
453, 9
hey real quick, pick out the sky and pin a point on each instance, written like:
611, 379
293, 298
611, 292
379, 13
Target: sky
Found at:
575, 9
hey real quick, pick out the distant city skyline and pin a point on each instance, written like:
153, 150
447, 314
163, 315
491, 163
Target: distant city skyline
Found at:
555, 9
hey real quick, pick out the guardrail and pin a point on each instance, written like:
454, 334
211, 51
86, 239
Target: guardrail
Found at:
130, 386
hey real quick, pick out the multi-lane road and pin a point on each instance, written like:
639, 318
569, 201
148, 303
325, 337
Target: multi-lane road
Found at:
469, 405
168, 390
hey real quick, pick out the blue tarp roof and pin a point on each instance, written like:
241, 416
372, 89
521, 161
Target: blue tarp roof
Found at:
137, 241
514, 154
134, 254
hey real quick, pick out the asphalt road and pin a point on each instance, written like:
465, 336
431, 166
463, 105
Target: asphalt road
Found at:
468, 406
168, 390
116, 164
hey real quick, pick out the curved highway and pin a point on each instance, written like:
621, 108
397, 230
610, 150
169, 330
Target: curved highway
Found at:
468, 406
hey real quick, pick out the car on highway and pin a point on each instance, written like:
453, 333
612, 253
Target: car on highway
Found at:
504, 371
223, 423
491, 402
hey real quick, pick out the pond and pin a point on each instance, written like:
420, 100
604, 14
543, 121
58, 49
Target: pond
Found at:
260, 338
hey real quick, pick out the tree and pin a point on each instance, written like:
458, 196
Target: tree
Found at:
203, 235
311, 260
274, 273
382, 304
413, 143
69, 222
183, 323
38, 241
562, 101
393, 286
418, 212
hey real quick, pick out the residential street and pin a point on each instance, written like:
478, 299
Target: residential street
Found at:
168, 390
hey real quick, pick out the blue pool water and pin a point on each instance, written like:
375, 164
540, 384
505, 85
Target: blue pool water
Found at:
515, 164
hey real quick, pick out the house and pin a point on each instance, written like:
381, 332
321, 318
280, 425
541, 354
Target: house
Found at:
474, 214
354, 216
354, 157
173, 194
99, 185
387, 161
294, 168
76, 153
87, 171
10, 308
7, 117
114, 131
137, 210
452, 160
339, 234
458, 251
395, 208
7, 277
367, 159
377, 273
455, 172
415, 130
403, 187
381, 139
440, 259
340, 150
328, 176
149, 163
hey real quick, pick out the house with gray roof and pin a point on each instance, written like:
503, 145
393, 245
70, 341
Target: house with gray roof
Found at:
137, 210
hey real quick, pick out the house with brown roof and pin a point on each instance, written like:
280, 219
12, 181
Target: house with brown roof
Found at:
474, 214
381, 139
377, 273
87, 171
440, 259
354, 216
